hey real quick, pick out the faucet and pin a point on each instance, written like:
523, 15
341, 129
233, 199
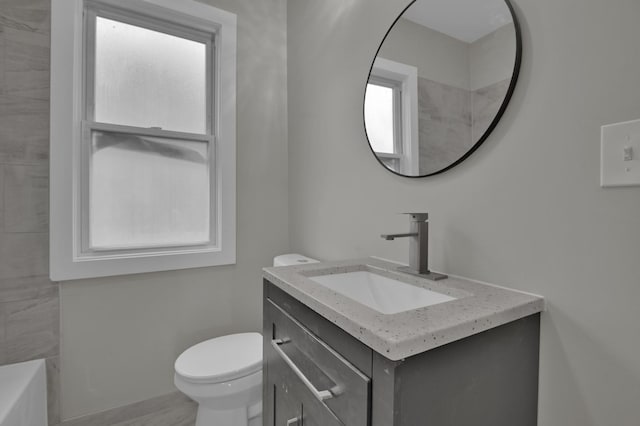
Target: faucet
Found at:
418, 246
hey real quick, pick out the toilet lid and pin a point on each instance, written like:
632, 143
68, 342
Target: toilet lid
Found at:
221, 359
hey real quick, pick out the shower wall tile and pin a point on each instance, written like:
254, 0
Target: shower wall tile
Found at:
26, 63
25, 288
26, 15
485, 105
445, 142
3, 345
1, 198
452, 120
29, 301
26, 198
53, 386
443, 102
444, 124
2, 60
24, 255
32, 329
24, 130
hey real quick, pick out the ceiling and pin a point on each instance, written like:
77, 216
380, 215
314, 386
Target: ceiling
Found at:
466, 20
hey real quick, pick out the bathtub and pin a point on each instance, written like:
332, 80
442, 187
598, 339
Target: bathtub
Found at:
23, 394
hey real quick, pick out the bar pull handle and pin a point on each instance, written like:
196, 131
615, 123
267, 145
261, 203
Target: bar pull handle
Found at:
320, 395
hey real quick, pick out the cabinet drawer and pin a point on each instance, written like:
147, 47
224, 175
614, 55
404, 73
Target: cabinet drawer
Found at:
356, 352
332, 380
291, 401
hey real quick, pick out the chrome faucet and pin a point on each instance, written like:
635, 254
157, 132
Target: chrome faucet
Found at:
418, 246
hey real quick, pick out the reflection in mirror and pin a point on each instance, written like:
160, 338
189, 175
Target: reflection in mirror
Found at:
440, 82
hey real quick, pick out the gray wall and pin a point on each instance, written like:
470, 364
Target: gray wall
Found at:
450, 61
525, 211
437, 56
492, 57
29, 324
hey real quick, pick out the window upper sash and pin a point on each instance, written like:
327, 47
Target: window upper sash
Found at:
94, 9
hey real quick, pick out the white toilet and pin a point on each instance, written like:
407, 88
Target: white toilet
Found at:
224, 375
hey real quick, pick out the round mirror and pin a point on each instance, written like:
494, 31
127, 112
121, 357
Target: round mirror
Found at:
440, 82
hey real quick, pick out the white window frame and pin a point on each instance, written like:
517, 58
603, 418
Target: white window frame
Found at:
405, 78
69, 256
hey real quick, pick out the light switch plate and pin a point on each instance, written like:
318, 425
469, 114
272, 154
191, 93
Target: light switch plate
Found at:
620, 155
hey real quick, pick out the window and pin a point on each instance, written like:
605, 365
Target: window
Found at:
391, 115
142, 137
383, 117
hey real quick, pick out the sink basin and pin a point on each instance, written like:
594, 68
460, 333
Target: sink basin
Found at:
383, 294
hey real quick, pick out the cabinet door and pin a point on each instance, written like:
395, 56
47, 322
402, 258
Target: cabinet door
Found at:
314, 413
282, 407
287, 407
293, 405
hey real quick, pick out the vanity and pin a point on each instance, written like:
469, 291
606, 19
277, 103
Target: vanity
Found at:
359, 343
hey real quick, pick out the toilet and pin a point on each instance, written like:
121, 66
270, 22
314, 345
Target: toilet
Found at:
224, 375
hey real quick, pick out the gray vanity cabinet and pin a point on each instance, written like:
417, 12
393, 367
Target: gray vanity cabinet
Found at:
315, 374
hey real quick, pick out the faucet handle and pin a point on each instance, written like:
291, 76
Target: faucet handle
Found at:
419, 217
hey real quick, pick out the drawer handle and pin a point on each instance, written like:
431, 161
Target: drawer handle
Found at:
321, 395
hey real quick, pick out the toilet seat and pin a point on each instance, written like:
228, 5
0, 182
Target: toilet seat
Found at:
221, 359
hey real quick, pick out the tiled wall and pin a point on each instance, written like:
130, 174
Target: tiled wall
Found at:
451, 120
29, 307
485, 105
444, 124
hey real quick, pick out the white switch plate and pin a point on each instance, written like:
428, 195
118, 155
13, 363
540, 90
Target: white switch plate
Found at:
619, 142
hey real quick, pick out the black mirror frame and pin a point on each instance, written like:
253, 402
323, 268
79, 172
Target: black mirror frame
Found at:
497, 118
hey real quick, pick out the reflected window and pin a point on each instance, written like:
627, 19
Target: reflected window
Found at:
383, 118
379, 115
390, 113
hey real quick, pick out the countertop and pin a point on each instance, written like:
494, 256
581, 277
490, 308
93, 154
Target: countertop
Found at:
477, 307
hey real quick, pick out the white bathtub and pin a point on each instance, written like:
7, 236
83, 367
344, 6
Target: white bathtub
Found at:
23, 394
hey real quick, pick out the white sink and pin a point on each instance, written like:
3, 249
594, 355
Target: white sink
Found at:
385, 295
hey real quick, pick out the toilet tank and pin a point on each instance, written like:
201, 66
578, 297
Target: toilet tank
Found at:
292, 259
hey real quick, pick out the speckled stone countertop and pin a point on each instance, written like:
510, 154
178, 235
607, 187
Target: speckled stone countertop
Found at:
477, 307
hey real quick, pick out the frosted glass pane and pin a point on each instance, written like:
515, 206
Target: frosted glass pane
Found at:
378, 117
146, 78
148, 191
